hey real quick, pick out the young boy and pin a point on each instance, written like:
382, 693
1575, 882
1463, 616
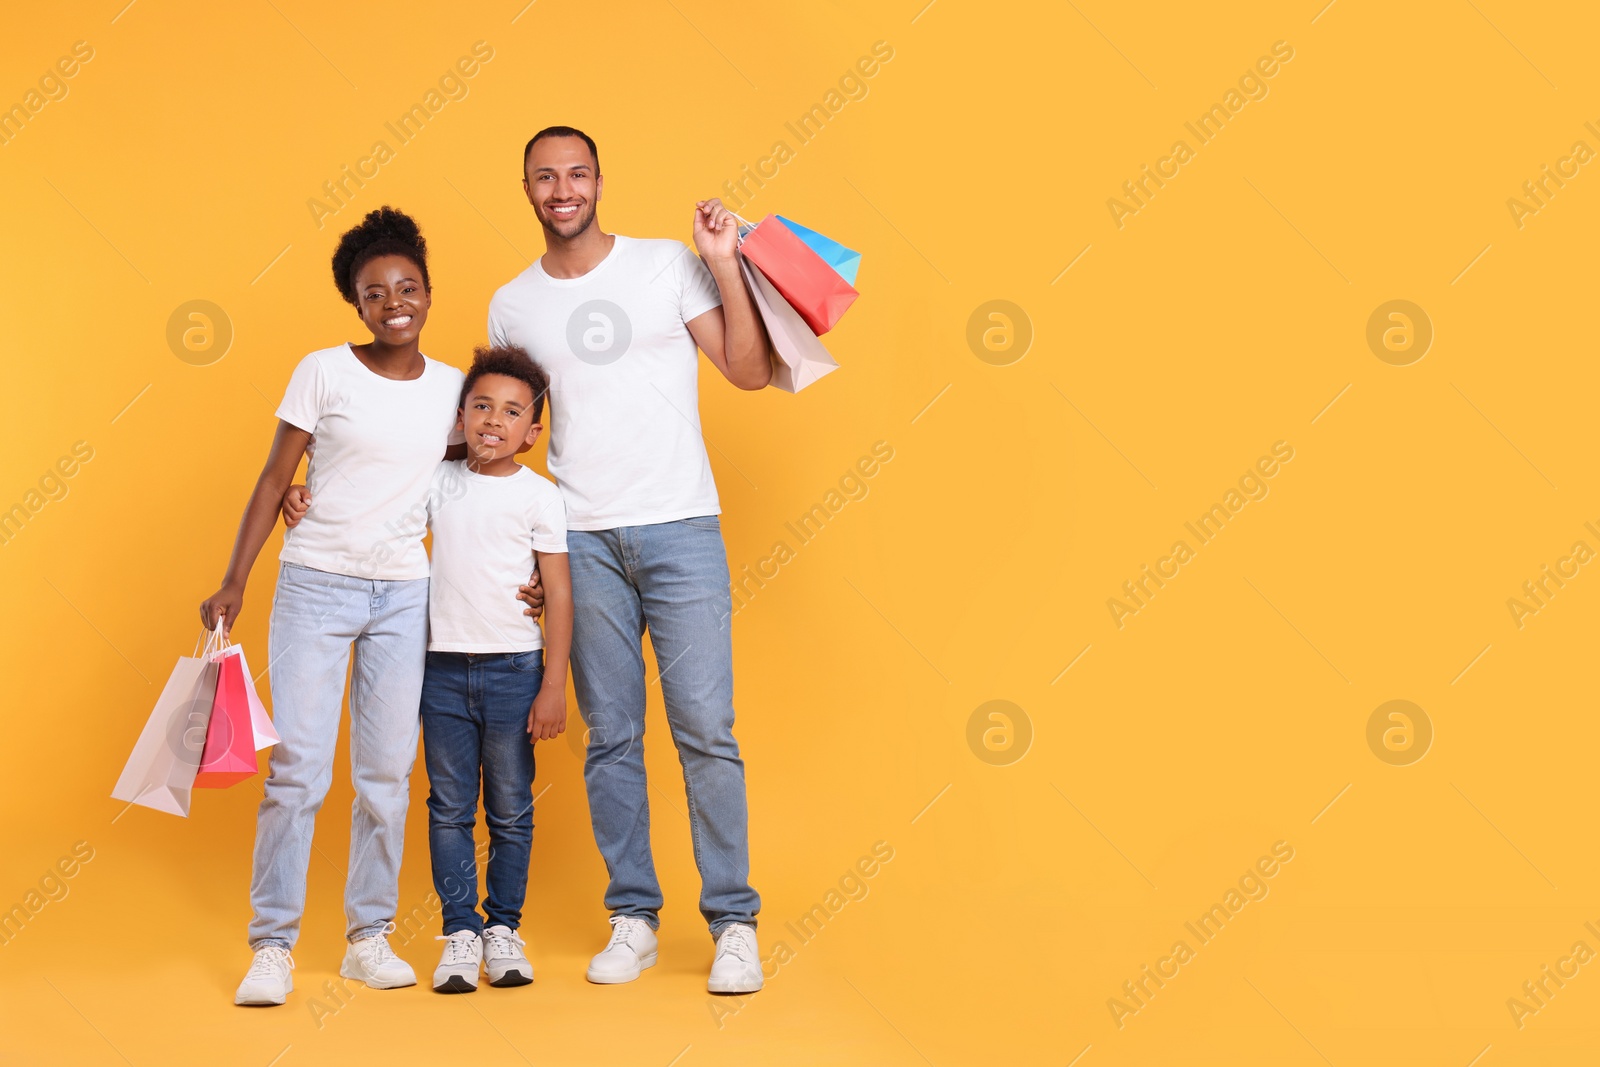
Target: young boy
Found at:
493, 684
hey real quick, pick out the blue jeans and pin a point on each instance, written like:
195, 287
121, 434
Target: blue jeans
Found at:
475, 721
316, 617
672, 579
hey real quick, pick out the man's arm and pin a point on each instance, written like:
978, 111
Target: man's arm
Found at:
733, 336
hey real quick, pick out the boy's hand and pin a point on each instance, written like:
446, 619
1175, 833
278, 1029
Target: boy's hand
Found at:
532, 595
295, 504
227, 602
547, 719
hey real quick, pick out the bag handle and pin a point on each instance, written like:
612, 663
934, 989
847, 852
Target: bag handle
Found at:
214, 641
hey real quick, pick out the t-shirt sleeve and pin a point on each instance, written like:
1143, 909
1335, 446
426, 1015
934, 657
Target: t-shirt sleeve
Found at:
303, 399
549, 521
457, 435
697, 289
497, 330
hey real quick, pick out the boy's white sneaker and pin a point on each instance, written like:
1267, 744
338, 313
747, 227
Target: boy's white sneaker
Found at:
372, 961
631, 949
504, 959
268, 981
459, 963
737, 966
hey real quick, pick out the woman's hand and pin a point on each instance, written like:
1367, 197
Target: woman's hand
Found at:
296, 502
226, 602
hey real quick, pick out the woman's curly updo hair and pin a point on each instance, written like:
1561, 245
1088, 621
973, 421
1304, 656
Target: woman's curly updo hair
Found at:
384, 232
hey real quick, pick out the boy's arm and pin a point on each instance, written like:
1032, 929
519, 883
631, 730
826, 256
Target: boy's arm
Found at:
548, 716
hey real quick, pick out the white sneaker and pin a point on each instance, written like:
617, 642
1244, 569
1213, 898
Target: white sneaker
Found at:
631, 949
374, 962
737, 966
458, 966
503, 957
269, 981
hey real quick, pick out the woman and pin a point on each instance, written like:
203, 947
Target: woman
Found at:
375, 419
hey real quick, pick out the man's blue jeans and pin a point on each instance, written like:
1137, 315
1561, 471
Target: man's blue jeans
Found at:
475, 720
672, 579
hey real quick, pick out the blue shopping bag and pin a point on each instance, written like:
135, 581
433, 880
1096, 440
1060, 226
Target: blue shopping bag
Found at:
843, 260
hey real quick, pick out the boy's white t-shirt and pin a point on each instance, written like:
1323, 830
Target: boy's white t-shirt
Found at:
625, 442
374, 446
485, 532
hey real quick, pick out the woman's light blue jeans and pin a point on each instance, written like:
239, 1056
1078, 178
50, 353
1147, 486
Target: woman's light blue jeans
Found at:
316, 618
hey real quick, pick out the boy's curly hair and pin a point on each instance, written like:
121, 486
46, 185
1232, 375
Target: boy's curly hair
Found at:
384, 232
512, 361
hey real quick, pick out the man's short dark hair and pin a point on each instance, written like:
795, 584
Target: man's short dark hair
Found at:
561, 131
512, 361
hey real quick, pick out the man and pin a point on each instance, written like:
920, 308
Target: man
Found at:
616, 322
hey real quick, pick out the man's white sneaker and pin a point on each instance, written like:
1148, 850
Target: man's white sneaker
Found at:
631, 949
737, 966
372, 961
503, 957
458, 965
268, 981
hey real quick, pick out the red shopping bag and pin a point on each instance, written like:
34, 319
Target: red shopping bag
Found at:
230, 751
806, 281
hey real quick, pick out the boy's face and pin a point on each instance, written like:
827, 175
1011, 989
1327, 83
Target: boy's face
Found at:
498, 418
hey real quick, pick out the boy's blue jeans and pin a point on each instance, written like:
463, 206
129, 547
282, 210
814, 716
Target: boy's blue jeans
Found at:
475, 709
671, 577
316, 617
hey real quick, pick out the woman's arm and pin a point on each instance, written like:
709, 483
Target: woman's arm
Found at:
260, 516
548, 716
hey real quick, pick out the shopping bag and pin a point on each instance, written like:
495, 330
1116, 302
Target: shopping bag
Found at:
806, 281
161, 770
229, 755
263, 733
845, 261
800, 357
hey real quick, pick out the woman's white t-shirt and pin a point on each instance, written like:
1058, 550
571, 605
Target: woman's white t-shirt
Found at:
375, 444
485, 532
625, 443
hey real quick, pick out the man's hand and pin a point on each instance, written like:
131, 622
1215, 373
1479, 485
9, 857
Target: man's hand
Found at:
547, 719
532, 595
716, 231
296, 502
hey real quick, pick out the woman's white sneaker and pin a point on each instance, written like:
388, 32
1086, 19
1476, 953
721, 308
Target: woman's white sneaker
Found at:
631, 949
737, 966
459, 963
372, 961
504, 959
268, 981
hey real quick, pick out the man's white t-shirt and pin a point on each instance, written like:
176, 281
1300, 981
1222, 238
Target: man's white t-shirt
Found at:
485, 532
374, 445
625, 443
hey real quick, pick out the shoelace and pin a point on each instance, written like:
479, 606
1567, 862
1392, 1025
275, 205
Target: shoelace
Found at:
375, 950
623, 928
268, 960
736, 941
458, 947
501, 945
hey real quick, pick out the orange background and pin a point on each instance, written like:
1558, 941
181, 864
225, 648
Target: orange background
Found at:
1042, 859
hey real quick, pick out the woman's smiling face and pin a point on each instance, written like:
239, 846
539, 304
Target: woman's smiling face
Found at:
392, 300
